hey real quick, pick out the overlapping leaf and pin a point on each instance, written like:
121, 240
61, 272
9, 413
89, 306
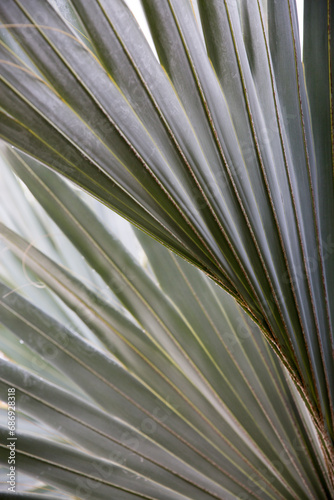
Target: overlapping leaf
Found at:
195, 407
220, 148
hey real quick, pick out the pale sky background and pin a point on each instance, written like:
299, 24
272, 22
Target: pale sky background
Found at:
300, 9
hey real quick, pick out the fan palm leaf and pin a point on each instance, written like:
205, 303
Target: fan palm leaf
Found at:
175, 394
216, 143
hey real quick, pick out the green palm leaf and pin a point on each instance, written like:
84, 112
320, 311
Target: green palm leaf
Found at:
176, 388
217, 145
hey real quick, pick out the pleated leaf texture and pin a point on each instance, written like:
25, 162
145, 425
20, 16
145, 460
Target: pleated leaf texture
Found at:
214, 138
135, 375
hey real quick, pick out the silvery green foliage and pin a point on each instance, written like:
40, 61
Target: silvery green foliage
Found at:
218, 145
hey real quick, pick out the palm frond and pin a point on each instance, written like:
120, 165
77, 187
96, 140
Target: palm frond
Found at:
175, 381
215, 143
